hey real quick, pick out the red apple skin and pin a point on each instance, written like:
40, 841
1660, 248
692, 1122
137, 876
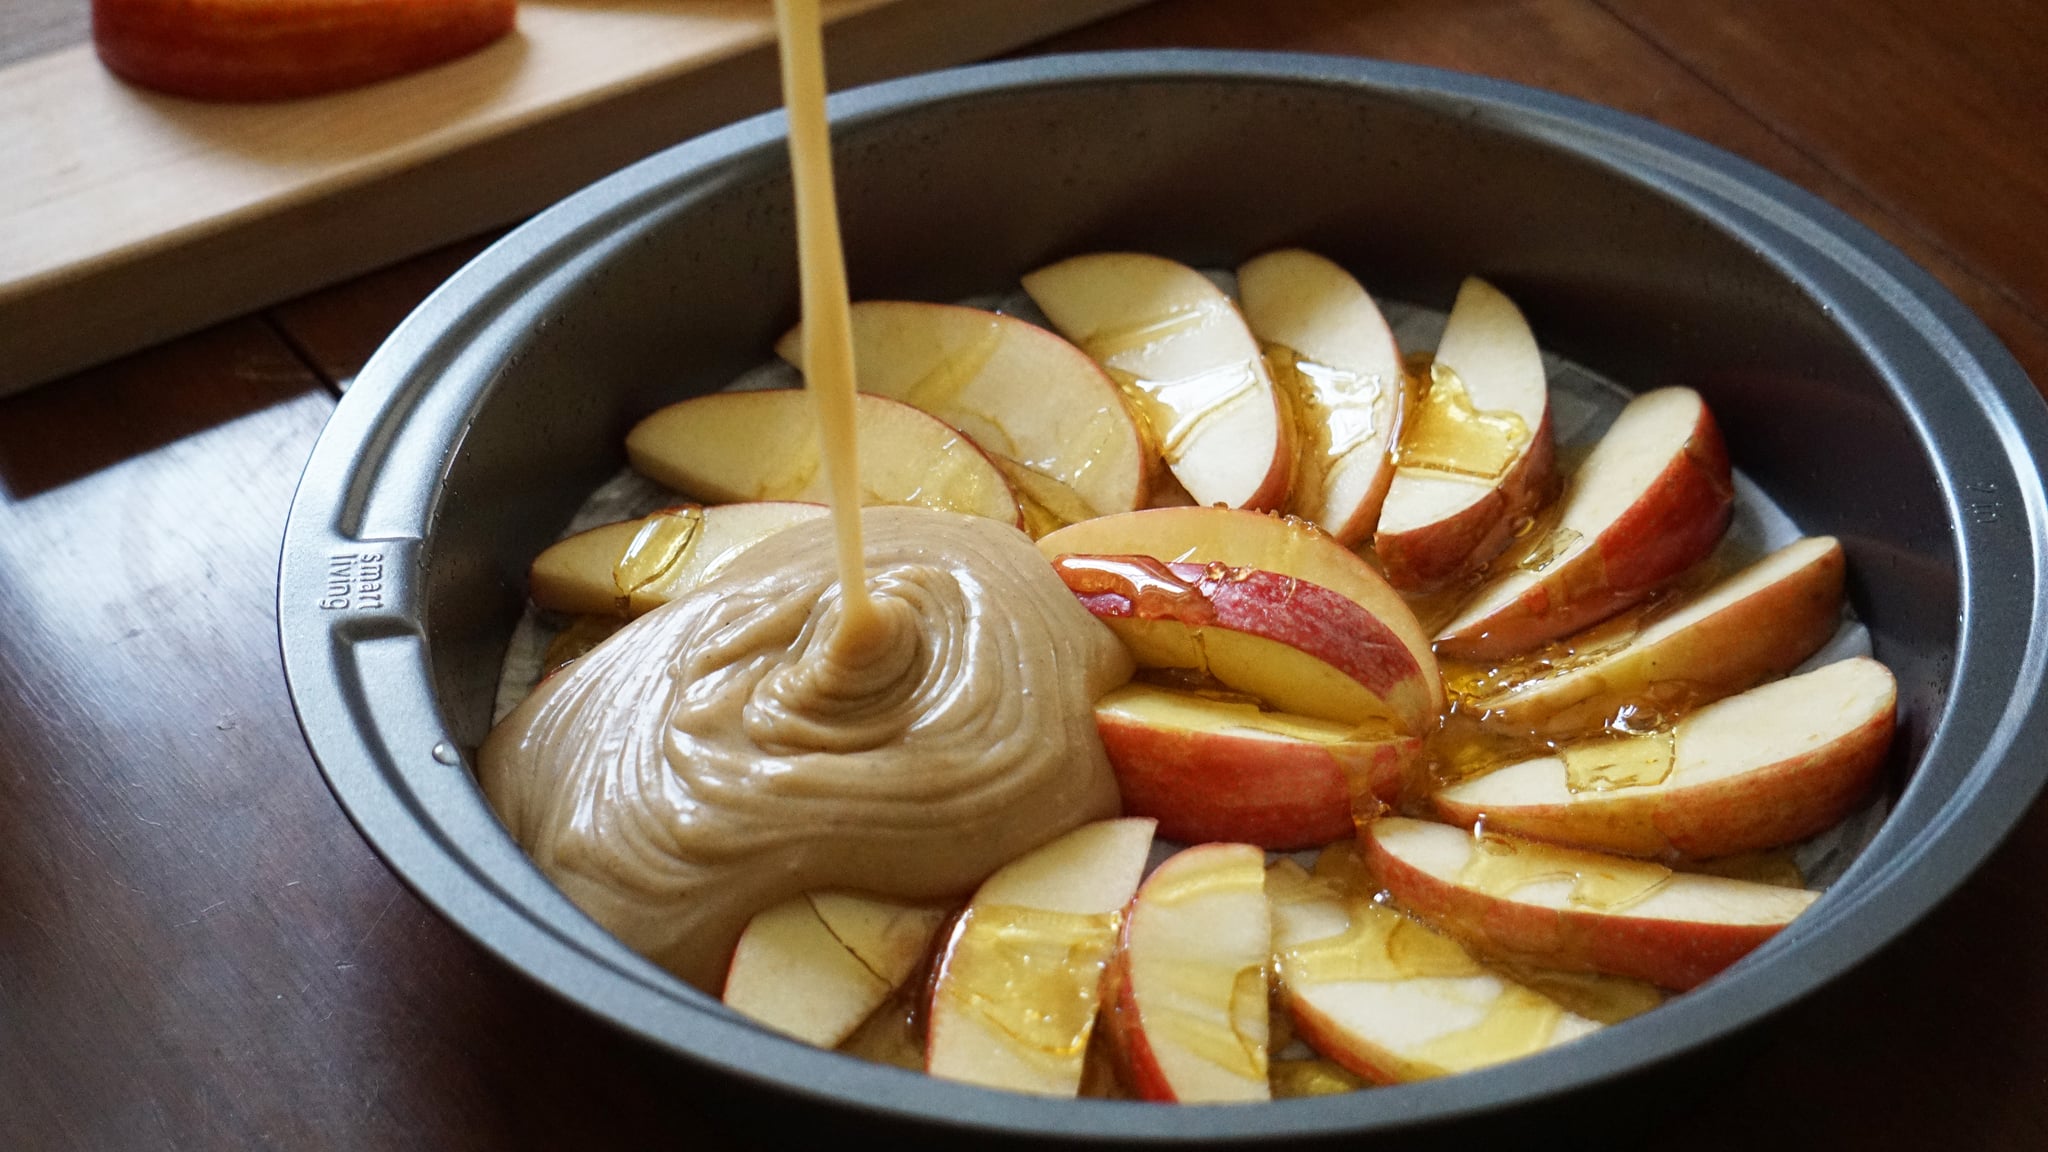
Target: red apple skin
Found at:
1281, 795
1675, 524
1133, 1048
1679, 955
284, 49
1791, 800
1329, 627
1430, 556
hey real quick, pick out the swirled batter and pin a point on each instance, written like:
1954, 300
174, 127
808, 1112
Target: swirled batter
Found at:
735, 748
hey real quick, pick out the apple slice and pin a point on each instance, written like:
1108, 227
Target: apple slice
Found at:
1388, 998
1242, 539
1015, 987
1047, 413
1770, 766
1219, 769
1188, 1009
281, 49
1333, 356
815, 966
763, 446
1475, 452
1182, 352
634, 566
1650, 502
1296, 646
1579, 911
1752, 627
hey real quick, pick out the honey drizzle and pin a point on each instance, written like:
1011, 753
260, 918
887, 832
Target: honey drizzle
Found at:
1173, 410
1445, 432
1238, 1045
661, 545
1335, 413
1031, 974
1619, 762
1153, 589
828, 323
1501, 866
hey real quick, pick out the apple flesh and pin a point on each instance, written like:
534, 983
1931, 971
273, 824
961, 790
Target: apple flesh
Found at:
1242, 539
1049, 415
1015, 987
1332, 354
1651, 501
1184, 356
1459, 490
1188, 1009
729, 447
1212, 769
1296, 646
1754, 626
1388, 998
816, 966
634, 566
283, 49
1574, 910
1771, 766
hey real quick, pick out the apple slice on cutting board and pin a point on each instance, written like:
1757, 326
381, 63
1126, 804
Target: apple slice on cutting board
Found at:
1187, 1011
1387, 997
1015, 988
1771, 766
1754, 626
1295, 646
1243, 539
1184, 356
1227, 770
1575, 910
729, 447
1475, 451
634, 566
1049, 415
1651, 501
1332, 354
817, 965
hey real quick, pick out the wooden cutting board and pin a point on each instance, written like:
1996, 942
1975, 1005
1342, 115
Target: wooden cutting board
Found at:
127, 218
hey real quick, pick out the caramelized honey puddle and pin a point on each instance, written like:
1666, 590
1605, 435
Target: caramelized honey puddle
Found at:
1445, 432
1031, 974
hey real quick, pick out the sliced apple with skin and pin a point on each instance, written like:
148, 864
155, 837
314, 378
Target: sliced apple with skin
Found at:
1297, 647
1331, 352
1575, 910
1651, 501
1047, 412
1390, 999
1015, 987
1475, 451
1243, 539
1752, 627
1182, 352
1188, 1005
1226, 770
634, 566
729, 447
816, 966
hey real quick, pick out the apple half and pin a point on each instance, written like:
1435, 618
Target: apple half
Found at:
1475, 451
1333, 356
635, 566
1390, 999
1754, 626
1651, 501
730, 447
1017, 980
1187, 1007
1295, 646
1182, 353
1575, 910
814, 967
1243, 539
1052, 419
1771, 766
1211, 769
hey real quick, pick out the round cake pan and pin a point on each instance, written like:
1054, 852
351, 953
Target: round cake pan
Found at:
1861, 395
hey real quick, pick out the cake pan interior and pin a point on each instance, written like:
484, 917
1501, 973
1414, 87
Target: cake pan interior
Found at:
1651, 265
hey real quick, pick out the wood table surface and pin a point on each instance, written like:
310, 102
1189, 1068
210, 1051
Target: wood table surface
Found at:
198, 951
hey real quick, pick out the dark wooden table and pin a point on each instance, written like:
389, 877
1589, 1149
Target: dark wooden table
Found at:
198, 951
